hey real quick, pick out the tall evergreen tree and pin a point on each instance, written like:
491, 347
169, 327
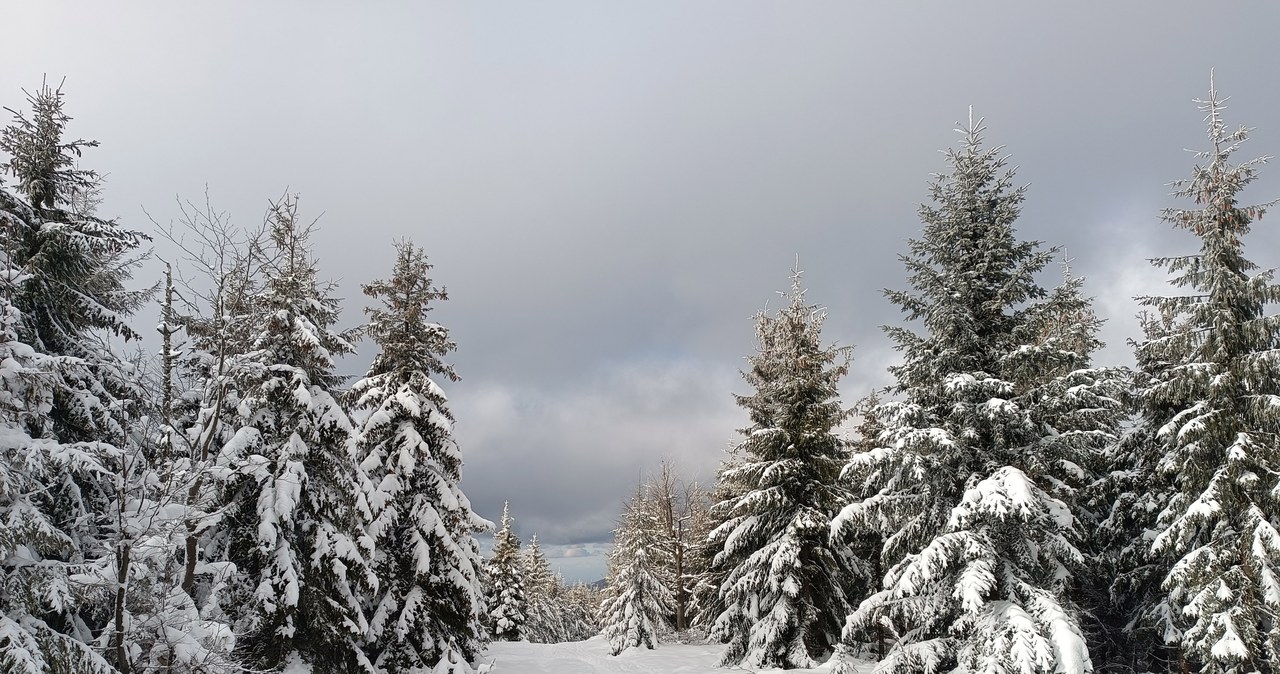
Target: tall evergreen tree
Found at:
973, 481
1212, 411
69, 396
638, 598
505, 603
429, 600
294, 522
787, 586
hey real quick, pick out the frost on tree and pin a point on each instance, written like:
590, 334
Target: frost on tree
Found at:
997, 420
429, 602
505, 604
1213, 410
294, 524
637, 599
581, 606
785, 584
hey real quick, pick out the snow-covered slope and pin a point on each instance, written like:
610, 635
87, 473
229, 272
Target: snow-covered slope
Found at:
592, 657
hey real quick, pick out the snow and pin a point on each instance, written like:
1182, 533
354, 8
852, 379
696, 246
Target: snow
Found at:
592, 657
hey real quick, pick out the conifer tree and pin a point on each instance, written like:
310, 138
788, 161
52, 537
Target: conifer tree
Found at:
638, 600
706, 602
545, 615
294, 524
864, 543
69, 397
785, 591
1210, 409
505, 602
41, 628
429, 600
76, 266
973, 481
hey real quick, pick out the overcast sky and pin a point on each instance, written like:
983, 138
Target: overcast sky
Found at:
609, 190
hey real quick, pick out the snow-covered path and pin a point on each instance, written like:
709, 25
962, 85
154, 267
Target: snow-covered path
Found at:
592, 657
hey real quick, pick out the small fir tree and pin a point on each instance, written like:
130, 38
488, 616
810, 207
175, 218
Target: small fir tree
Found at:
786, 588
505, 603
1137, 630
638, 600
429, 599
706, 602
544, 623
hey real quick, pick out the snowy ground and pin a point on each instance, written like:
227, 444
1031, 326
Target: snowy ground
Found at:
592, 657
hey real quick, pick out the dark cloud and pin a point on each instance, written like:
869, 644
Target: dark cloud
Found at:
609, 192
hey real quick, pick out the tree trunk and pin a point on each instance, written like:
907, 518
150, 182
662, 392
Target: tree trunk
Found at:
122, 580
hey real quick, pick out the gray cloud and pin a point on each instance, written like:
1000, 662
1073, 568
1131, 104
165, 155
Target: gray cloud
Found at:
610, 191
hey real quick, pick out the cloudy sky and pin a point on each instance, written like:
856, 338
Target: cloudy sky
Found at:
609, 190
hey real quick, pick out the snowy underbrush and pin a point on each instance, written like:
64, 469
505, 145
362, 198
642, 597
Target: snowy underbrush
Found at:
592, 657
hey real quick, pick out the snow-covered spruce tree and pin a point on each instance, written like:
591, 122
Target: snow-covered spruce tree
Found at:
866, 543
996, 420
506, 608
786, 589
73, 396
544, 615
40, 625
1213, 411
294, 524
637, 599
1086, 409
706, 603
76, 267
429, 600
